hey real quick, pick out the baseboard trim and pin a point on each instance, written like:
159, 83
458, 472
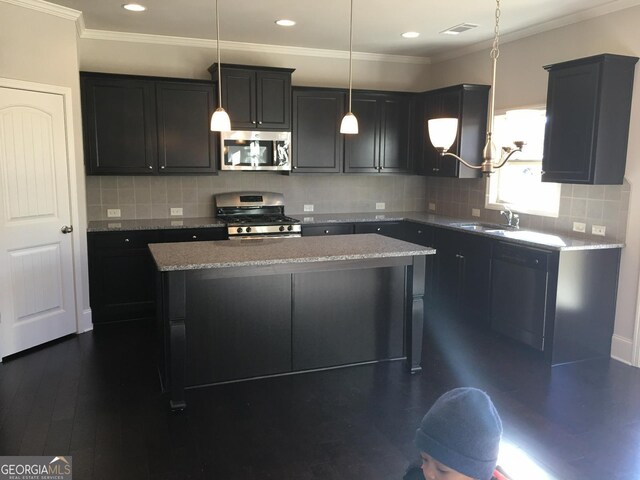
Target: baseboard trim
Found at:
86, 321
622, 349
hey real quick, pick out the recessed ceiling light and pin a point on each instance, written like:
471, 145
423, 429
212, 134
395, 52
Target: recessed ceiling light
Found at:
411, 34
134, 7
285, 23
463, 27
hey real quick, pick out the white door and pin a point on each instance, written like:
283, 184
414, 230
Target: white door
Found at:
37, 298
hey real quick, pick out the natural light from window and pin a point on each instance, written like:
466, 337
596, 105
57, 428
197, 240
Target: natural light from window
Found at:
518, 183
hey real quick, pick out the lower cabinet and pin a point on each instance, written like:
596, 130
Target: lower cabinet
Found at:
122, 273
327, 229
462, 275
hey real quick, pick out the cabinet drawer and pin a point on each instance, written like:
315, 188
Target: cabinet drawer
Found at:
523, 256
333, 229
131, 239
389, 229
194, 234
418, 233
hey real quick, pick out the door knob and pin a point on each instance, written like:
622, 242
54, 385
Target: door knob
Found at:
67, 229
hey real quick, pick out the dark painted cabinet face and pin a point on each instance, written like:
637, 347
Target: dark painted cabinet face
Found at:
384, 133
588, 112
317, 144
257, 99
467, 103
147, 127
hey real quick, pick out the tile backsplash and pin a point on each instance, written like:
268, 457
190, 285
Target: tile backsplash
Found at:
152, 197
606, 205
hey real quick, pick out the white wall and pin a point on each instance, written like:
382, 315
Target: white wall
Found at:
41, 48
193, 62
522, 81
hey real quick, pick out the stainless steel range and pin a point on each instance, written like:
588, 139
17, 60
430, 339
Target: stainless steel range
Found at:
255, 215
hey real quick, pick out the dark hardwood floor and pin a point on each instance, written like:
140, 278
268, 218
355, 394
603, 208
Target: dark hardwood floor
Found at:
96, 397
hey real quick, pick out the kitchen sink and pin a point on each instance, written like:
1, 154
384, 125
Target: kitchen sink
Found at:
483, 227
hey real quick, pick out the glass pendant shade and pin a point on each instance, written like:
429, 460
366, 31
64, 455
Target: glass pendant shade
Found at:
349, 124
220, 121
442, 132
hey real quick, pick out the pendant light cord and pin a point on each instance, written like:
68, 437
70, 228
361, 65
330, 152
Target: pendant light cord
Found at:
218, 48
350, 52
495, 53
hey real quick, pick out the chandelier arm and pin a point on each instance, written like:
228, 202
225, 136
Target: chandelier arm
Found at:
503, 161
464, 162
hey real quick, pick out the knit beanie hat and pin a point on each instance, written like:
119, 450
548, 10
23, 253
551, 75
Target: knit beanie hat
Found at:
462, 430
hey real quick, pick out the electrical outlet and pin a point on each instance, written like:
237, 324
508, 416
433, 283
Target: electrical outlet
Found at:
475, 212
176, 212
308, 207
598, 230
432, 207
113, 212
380, 206
579, 227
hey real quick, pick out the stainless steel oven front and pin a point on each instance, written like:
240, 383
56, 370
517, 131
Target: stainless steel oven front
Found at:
254, 150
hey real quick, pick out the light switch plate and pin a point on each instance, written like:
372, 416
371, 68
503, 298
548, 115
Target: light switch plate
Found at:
432, 207
175, 212
380, 206
598, 230
475, 212
579, 227
113, 213
308, 207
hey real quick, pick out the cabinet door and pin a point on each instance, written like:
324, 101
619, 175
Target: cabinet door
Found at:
239, 97
519, 279
317, 144
273, 100
395, 134
121, 276
362, 150
185, 143
569, 146
119, 120
332, 229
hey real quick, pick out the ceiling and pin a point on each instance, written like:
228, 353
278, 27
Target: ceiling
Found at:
325, 24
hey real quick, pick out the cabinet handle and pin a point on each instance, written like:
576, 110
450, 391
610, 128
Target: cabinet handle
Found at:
381, 168
150, 167
419, 232
295, 168
379, 229
195, 237
542, 172
162, 167
537, 261
326, 231
260, 122
126, 240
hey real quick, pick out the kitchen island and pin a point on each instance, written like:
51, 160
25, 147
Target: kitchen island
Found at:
235, 309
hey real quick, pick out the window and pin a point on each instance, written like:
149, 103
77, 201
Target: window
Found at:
518, 183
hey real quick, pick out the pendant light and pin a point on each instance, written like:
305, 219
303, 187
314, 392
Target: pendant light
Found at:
442, 131
349, 123
220, 121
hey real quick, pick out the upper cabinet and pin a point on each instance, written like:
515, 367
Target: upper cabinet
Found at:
467, 103
383, 142
147, 126
588, 111
256, 97
317, 144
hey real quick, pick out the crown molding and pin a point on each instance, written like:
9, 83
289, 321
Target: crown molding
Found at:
92, 34
46, 7
578, 17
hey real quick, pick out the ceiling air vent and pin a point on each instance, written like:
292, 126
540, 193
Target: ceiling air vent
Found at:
463, 27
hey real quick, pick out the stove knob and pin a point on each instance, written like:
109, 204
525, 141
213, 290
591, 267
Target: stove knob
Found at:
290, 227
281, 228
248, 229
239, 230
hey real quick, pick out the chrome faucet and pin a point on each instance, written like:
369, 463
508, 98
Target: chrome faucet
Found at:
513, 219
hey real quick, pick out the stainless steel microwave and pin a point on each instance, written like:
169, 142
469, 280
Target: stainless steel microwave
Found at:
253, 150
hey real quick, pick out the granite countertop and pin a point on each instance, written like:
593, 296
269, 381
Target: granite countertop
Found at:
258, 252
521, 236
118, 225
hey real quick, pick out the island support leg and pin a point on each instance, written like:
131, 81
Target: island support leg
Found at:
415, 285
175, 287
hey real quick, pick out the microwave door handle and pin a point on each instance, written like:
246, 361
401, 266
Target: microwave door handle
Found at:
275, 154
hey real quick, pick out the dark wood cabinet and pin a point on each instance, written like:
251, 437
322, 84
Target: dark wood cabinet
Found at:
317, 144
147, 126
122, 273
327, 229
382, 144
462, 275
256, 98
467, 103
588, 111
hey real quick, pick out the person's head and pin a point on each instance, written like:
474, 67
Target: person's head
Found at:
459, 436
